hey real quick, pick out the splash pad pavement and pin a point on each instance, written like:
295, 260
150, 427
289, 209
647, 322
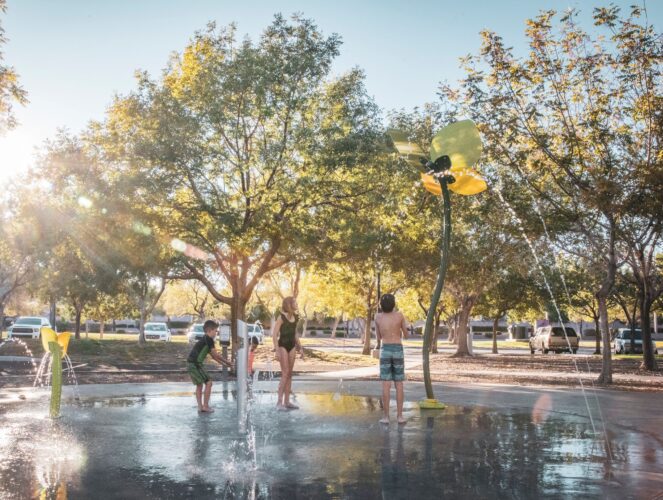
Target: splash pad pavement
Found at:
148, 441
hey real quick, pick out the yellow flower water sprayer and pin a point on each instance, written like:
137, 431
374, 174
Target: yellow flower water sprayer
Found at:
453, 152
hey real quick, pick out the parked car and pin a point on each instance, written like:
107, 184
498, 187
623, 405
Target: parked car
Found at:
196, 332
552, 338
157, 331
255, 330
622, 342
126, 326
28, 326
180, 325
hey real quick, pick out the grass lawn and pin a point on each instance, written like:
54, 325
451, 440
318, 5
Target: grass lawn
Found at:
133, 337
110, 351
501, 344
118, 349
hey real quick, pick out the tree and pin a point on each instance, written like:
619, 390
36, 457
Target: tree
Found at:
74, 278
505, 293
10, 89
16, 260
109, 306
577, 121
250, 148
190, 297
94, 220
583, 279
491, 256
644, 259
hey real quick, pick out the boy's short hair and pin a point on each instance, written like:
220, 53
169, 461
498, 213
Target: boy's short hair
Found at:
387, 303
254, 340
210, 325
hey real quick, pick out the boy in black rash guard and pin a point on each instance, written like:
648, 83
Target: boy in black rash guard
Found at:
195, 362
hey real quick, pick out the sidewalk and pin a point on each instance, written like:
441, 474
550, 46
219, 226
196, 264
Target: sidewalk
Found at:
414, 372
364, 372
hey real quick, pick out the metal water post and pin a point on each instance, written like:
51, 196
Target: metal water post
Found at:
241, 369
224, 340
224, 368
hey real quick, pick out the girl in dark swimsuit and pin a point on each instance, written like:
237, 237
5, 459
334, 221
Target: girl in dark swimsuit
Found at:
286, 343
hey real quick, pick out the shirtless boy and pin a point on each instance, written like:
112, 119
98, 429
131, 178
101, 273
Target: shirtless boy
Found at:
390, 327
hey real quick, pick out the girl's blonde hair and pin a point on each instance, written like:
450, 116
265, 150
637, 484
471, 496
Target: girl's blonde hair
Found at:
288, 305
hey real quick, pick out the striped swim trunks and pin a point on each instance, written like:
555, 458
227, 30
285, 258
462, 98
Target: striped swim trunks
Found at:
198, 374
392, 365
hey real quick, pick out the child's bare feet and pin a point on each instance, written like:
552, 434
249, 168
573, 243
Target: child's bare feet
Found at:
281, 407
402, 419
207, 409
384, 420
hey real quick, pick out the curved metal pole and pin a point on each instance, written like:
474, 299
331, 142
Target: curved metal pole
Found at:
437, 292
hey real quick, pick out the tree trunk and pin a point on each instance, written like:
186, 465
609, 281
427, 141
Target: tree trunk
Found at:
606, 365
602, 298
366, 351
495, 324
237, 313
453, 330
77, 326
649, 360
305, 325
337, 320
53, 315
200, 311
271, 325
597, 334
141, 326
102, 325
367, 332
466, 309
2, 319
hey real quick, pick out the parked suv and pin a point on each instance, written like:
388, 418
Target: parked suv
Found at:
255, 330
28, 326
196, 332
157, 331
551, 338
622, 342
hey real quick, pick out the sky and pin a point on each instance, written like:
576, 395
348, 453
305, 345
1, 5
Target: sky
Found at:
73, 56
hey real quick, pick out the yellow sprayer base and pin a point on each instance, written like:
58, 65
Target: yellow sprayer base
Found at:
431, 404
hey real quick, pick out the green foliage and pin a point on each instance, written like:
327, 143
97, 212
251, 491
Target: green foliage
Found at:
11, 91
575, 126
574, 121
248, 152
17, 253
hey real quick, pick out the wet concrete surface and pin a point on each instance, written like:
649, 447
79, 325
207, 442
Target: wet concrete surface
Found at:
147, 441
